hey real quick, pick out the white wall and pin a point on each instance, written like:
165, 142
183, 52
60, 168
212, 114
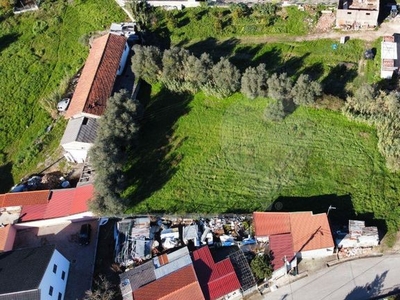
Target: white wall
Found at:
77, 150
73, 218
124, 57
54, 280
324, 252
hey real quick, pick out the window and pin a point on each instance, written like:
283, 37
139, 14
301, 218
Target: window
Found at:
54, 268
349, 13
368, 14
63, 275
51, 291
59, 296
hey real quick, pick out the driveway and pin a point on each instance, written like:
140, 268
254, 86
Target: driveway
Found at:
359, 279
65, 236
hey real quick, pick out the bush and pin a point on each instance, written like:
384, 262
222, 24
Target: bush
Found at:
254, 82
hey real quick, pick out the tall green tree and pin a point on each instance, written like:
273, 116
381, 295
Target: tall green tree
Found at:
306, 91
254, 82
115, 141
142, 12
147, 63
279, 87
174, 71
224, 79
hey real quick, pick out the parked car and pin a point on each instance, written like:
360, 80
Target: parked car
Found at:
84, 234
63, 104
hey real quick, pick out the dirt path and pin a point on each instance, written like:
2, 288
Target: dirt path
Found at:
387, 28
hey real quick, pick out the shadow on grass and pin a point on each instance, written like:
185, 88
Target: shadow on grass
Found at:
213, 47
156, 160
160, 38
337, 79
315, 71
6, 179
7, 39
340, 216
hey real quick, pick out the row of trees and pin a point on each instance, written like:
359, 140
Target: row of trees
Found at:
382, 110
116, 139
181, 71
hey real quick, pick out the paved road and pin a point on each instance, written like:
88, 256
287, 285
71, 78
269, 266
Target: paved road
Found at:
358, 279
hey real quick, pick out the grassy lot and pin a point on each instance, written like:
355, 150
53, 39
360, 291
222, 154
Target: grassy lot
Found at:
205, 22
199, 154
39, 52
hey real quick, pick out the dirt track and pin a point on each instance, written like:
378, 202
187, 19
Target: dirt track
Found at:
387, 28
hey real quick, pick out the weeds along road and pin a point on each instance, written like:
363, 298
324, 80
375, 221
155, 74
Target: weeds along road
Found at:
386, 28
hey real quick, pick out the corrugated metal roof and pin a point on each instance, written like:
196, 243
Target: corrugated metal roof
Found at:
139, 276
216, 279
173, 266
81, 129
281, 247
63, 202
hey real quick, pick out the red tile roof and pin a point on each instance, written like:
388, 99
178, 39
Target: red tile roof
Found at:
24, 198
309, 231
216, 279
266, 224
281, 246
179, 285
62, 203
97, 79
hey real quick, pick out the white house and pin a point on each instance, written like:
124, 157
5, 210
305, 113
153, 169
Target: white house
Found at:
33, 273
389, 57
78, 138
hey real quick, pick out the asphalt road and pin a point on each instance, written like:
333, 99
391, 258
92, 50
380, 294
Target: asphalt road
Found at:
359, 279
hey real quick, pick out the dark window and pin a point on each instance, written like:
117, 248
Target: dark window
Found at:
349, 13
85, 120
368, 14
54, 268
51, 291
59, 296
63, 275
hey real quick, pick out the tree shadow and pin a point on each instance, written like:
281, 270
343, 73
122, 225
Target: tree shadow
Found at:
335, 82
315, 71
213, 47
272, 59
6, 178
7, 39
370, 290
339, 216
292, 65
161, 38
156, 159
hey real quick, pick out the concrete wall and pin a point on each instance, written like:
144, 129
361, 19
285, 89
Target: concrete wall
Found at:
360, 18
122, 62
318, 253
55, 277
73, 218
76, 151
174, 4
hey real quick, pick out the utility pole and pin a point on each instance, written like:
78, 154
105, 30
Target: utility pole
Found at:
329, 209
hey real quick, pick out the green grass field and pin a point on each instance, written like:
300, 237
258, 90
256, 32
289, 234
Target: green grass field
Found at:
203, 155
39, 52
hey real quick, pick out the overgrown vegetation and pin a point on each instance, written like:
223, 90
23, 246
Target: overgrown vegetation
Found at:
261, 266
38, 52
115, 141
237, 20
381, 109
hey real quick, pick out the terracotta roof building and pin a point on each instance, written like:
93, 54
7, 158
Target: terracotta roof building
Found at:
24, 198
62, 203
7, 237
216, 279
310, 234
179, 285
106, 60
